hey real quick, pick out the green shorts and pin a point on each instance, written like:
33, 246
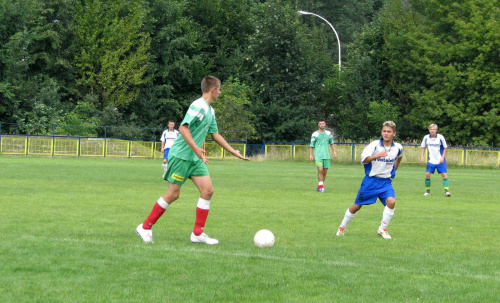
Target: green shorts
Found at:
322, 162
179, 170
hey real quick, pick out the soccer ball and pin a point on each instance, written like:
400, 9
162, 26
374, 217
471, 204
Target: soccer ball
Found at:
264, 238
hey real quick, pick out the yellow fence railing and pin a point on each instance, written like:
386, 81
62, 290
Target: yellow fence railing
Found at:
351, 152
110, 147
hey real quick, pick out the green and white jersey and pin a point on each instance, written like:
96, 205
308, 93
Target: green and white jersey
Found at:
200, 118
321, 143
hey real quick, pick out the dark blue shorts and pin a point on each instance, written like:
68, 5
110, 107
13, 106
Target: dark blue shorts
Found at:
373, 188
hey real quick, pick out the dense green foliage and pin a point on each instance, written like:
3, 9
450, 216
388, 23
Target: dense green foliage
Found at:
139, 63
434, 61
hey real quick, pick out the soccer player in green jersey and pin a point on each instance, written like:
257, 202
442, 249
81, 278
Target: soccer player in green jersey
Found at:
187, 159
320, 141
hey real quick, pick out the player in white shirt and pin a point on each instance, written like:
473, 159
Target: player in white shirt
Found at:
167, 140
436, 159
381, 159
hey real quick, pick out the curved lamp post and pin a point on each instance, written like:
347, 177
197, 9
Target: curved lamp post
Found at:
336, 35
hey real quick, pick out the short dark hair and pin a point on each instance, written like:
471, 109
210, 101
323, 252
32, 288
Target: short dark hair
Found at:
208, 83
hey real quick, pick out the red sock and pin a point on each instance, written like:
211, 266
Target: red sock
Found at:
201, 218
155, 214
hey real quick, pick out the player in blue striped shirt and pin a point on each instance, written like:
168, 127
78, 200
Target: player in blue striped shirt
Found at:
381, 159
436, 158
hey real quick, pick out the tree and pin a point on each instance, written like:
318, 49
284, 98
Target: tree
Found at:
348, 18
280, 67
35, 70
233, 108
463, 76
362, 83
176, 66
112, 50
436, 62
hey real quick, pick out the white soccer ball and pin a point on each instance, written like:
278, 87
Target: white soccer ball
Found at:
264, 238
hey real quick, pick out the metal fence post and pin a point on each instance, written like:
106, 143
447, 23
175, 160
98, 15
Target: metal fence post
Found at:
53, 139
353, 152
465, 156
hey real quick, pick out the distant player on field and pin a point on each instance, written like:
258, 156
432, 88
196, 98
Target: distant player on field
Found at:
321, 140
187, 160
381, 159
167, 140
436, 147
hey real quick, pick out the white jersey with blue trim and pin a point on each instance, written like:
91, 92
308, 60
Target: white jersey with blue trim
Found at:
435, 147
382, 167
169, 137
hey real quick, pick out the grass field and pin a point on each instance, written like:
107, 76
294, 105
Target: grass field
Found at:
67, 235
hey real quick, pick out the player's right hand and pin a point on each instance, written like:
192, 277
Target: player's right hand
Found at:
200, 152
382, 154
238, 154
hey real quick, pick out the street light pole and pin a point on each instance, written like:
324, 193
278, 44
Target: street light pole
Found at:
336, 35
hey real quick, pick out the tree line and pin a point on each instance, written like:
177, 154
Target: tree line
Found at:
139, 63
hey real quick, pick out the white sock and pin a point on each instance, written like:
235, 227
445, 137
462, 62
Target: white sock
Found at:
386, 217
203, 204
347, 218
320, 183
165, 165
162, 203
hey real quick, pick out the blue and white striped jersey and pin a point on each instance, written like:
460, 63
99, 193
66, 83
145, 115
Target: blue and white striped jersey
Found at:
435, 147
382, 167
169, 137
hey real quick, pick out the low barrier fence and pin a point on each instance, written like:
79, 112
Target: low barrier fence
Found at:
59, 146
351, 152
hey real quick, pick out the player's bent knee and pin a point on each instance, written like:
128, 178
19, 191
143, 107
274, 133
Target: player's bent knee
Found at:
170, 197
354, 208
207, 193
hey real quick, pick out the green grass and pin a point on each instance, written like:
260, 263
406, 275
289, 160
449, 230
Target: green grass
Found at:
67, 235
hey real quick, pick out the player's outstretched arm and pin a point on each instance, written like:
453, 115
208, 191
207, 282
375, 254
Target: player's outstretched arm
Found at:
223, 143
